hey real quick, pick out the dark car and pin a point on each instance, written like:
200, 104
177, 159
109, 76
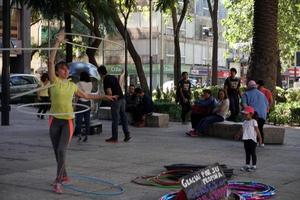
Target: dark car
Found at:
20, 83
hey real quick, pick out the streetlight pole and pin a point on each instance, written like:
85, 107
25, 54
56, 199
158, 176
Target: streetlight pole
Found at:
5, 64
150, 46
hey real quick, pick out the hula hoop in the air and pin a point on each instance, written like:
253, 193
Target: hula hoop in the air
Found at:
93, 37
20, 109
27, 49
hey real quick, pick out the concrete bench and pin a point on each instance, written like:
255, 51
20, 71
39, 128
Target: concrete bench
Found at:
157, 120
227, 130
153, 120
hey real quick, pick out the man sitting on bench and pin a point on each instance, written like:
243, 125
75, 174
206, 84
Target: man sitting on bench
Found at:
143, 107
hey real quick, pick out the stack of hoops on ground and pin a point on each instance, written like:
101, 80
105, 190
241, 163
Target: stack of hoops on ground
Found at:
170, 179
238, 190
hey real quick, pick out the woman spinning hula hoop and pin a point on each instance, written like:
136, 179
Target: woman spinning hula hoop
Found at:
61, 126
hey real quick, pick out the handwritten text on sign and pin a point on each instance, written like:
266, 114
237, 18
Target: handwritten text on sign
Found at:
208, 183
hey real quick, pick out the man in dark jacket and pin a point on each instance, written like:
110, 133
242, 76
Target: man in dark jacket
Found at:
143, 108
112, 87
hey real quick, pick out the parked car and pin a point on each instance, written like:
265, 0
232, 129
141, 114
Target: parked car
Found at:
19, 83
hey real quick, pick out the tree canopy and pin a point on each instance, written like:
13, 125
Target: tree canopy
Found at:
239, 23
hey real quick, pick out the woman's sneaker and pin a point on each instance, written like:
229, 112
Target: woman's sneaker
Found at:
57, 188
192, 134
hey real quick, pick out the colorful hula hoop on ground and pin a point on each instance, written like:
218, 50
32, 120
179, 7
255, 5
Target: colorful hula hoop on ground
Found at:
20, 109
95, 180
120, 47
251, 190
245, 190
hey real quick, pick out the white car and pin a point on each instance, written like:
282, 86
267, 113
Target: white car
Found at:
19, 83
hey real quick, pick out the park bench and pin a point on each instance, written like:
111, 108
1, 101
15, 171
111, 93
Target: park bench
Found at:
228, 129
153, 120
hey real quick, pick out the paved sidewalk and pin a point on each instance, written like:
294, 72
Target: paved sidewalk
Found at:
27, 164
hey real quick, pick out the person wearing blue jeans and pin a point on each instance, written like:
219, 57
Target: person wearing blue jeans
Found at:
112, 88
78, 121
118, 113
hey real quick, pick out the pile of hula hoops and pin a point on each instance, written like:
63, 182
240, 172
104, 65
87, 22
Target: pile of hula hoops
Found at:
240, 190
170, 179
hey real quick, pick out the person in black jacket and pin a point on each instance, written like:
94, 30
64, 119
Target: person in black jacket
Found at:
131, 99
144, 107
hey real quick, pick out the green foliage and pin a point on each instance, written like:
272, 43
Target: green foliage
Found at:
287, 111
238, 26
172, 109
281, 114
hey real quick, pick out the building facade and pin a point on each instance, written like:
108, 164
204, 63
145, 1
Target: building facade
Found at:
196, 44
20, 37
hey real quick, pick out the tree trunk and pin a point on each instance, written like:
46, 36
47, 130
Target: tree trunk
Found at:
214, 20
134, 54
263, 62
96, 42
177, 53
214, 79
68, 29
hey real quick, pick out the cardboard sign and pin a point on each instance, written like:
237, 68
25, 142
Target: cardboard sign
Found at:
206, 184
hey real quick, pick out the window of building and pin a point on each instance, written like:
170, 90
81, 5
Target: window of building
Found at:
15, 32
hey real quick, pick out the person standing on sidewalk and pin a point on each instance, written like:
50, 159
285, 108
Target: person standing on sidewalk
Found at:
61, 122
85, 85
112, 88
184, 95
266, 92
250, 133
43, 95
253, 97
232, 88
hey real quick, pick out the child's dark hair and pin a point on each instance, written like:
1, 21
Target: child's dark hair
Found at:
233, 70
255, 115
44, 77
85, 77
102, 70
207, 91
138, 90
60, 64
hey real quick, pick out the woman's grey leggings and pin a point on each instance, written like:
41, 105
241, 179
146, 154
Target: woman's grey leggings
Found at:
61, 132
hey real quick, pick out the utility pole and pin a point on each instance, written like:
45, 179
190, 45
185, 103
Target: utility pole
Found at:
5, 64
